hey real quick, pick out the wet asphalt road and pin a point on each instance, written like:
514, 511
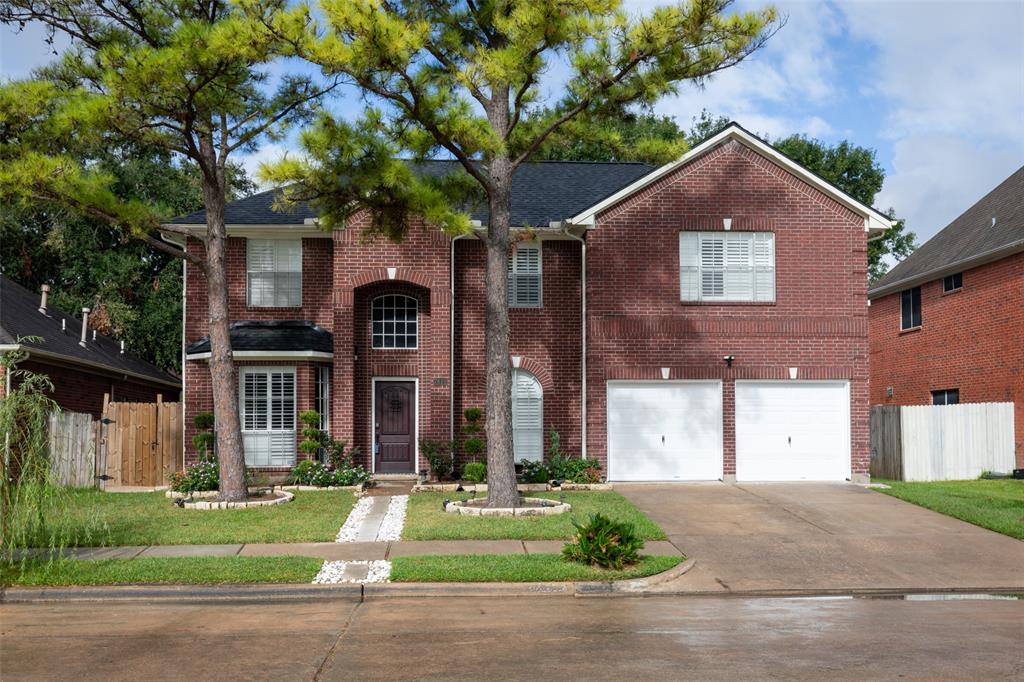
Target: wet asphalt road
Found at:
694, 638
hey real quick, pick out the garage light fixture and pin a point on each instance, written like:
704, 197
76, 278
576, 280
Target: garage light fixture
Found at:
728, 360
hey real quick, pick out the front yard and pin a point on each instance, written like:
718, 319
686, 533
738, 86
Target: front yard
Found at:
426, 519
515, 568
996, 505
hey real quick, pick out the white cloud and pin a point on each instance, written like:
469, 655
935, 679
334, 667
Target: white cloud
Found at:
267, 152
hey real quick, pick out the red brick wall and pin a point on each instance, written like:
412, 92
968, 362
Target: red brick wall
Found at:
818, 323
969, 339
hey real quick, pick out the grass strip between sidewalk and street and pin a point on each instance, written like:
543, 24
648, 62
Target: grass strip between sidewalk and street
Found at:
515, 568
163, 571
426, 520
994, 504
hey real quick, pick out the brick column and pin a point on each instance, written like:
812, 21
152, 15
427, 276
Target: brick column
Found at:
343, 374
729, 430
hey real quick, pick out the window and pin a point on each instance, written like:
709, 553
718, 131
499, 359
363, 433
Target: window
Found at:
947, 396
910, 308
394, 322
527, 416
274, 268
727, 266
323, 397
952, 282
268, 415
524, 277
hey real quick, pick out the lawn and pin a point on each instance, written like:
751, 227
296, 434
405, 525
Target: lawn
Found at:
515, 568
996, 505
161, 571
93, 518
426, 520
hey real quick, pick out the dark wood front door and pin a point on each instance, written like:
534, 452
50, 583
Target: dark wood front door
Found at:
394, 427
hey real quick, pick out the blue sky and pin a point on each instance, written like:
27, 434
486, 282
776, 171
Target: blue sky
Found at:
937, 88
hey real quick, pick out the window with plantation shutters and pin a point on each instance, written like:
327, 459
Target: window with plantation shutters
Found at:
727, 266
267, 401
274, 269
527, 416
524, 277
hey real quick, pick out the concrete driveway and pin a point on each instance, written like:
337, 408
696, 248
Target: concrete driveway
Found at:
807, 536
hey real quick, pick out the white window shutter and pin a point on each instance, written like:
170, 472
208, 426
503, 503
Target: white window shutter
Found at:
527, 416
764, 266
274, 272
689, 266
739, 280
525, 277
712, 266
268, 415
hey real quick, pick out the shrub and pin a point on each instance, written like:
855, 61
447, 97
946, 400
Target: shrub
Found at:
204, 440
474, 444
202, 476
604, 542
312, 472
564, 468
473, 447
473, 414
534, 472
310, 418
439, 455
474, 471
203, 421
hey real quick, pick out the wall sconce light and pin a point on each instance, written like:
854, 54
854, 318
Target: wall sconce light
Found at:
728, 360
355, 352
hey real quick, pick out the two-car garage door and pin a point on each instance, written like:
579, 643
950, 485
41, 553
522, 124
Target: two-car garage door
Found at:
672, 430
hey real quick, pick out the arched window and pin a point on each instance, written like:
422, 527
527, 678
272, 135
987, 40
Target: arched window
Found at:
527, 416
394, 321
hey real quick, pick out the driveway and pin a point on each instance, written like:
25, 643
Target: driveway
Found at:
809, 536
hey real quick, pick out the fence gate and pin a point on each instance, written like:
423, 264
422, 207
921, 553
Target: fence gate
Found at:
143, 443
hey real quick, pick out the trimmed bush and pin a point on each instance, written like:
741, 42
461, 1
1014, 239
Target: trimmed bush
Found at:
200, 477
475, 472
311, 472
534, 472
604, 542
438, 454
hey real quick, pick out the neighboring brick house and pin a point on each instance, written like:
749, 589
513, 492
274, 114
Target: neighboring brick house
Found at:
702, 320
82, 367
947, 324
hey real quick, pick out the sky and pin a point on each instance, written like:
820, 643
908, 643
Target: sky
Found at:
936, 88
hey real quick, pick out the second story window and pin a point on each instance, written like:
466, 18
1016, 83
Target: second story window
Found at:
910, 308
394, 323
274, 273
727, 266
525, 277
952, 282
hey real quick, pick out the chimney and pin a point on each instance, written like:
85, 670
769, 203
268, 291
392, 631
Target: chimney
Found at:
42, 302
85, 326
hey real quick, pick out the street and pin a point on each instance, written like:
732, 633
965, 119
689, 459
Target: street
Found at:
726, 638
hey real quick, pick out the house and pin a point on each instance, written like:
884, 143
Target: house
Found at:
947, 324
703, 320
83, 365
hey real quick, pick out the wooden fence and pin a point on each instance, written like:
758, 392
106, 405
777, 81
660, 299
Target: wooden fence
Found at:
141, 443
941, 442
73, 447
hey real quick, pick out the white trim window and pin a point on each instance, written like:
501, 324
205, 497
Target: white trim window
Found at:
527, 416
323, 397
727, 266
394, 321
274, 273
525, 276
267, 401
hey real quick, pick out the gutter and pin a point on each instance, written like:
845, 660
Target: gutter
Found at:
583, 336
106, 369
949, 268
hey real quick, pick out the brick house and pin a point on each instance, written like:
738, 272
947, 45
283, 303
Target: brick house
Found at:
82, 365
946, 324
667, 322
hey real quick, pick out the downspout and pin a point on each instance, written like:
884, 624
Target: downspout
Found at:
184, 318
451, 342
583, 335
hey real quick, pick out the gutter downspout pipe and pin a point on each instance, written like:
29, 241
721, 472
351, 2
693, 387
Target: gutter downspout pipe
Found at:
583, 335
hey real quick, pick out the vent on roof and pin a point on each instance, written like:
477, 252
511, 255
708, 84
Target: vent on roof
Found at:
42, 302
85, 326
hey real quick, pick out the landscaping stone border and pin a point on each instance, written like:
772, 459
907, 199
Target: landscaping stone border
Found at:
523, 487
203, 505
546, 508
356, 490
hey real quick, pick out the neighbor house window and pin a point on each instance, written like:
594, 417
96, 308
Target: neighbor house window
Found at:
394, 323
524, 277
952, 282
947, 396
274, 268
727, 266
527, 416
910, 308
268, 415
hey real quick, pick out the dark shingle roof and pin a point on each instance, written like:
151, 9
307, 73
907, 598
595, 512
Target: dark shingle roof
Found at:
20, 317
969, 238
542, 192
286, 335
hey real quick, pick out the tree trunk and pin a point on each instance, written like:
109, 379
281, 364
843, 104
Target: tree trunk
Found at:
230, 455
501, 468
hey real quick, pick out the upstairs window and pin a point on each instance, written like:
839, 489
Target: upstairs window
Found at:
947, 396
274, 268
727, 266
524, 277
952, 282
910, 308
394, 323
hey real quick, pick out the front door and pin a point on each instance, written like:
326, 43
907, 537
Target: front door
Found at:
394, 427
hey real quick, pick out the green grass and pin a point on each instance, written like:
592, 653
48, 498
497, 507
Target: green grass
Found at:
426, 520
514, 568
996, 505
93, 518
163, 571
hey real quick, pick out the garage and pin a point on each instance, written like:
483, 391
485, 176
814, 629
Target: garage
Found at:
792, 430
664, 430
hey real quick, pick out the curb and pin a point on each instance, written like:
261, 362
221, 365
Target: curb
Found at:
182, 593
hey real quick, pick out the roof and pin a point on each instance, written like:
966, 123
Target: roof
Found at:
875, 222
542, 192
20, 317
260, 336
990, 229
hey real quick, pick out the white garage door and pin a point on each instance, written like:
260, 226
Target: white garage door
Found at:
664, 431
792, 430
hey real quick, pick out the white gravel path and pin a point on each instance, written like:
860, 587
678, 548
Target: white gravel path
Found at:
336, 572
394, 520
350, 530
